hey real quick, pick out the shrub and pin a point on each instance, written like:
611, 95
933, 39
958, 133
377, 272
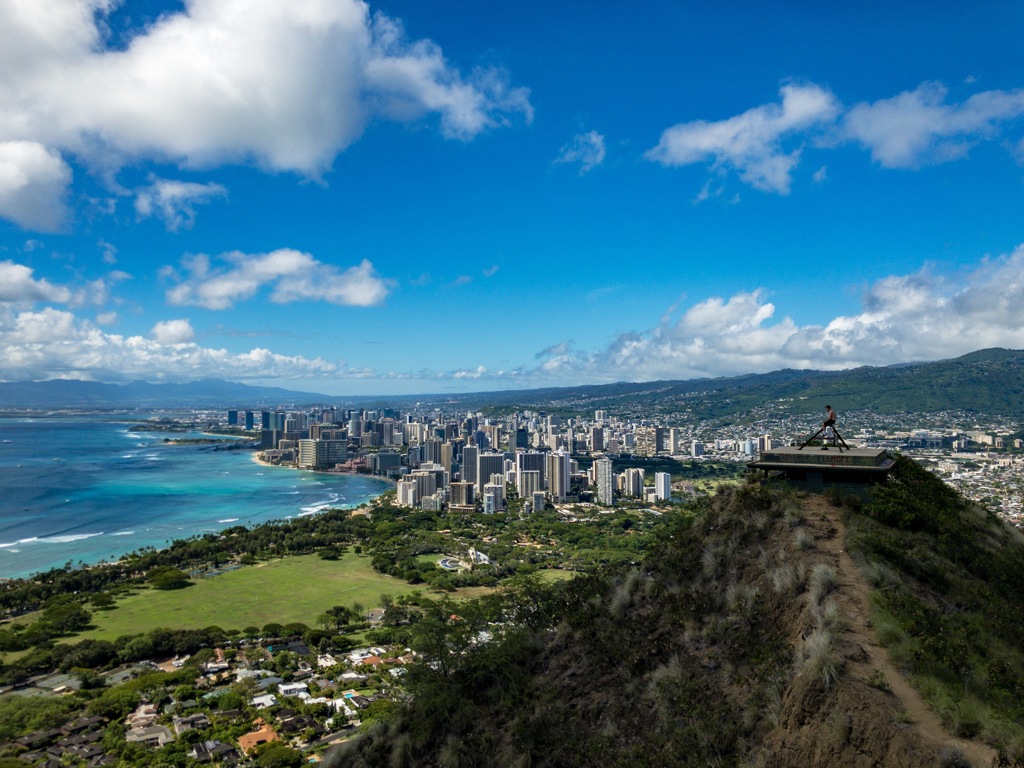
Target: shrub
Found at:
818, 659
823, 581
802, 539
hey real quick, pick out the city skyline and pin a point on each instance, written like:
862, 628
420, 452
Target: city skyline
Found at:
395, 198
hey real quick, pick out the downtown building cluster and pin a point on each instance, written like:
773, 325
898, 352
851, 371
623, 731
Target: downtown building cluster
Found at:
469, 462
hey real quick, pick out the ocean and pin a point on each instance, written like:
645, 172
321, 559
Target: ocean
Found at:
82, 490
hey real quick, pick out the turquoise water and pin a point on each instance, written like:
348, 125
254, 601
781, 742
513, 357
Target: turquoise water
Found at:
83, 490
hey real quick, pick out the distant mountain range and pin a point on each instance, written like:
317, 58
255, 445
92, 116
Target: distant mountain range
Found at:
213, 393
989, 381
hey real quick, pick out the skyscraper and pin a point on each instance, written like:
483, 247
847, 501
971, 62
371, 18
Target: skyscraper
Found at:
469, 457
488, 464
558, 475
605, 482
662, 486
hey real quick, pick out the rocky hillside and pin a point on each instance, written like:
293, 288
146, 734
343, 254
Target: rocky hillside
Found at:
754, 636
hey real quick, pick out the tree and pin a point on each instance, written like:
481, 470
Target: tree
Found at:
278, 756
168, 578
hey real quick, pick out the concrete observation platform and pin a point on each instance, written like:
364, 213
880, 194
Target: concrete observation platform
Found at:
815, 467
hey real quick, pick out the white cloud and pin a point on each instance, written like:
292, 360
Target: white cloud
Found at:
904, 318
751, 143
293, 275
917, 127
18, 286
33, 183
173, 332
587, 149
53, 343
285, 84
175, 201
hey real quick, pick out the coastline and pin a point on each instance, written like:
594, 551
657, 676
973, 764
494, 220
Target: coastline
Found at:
332, 472
131, 492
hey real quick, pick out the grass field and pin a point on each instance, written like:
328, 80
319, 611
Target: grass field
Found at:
282, 591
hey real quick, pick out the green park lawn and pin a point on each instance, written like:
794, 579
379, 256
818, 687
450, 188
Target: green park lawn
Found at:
282, 591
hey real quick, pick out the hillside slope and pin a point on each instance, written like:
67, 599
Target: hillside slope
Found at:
748, 638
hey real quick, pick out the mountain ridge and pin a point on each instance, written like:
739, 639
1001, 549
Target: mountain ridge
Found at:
770, 628
986, 381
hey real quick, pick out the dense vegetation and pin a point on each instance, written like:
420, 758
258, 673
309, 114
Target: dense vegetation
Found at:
989, 381
687, 659
401, 543
950, 581
674, 662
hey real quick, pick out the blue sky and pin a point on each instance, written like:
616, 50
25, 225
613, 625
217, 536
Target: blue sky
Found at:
412, 197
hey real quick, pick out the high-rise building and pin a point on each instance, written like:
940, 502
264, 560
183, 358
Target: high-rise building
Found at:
430, 450
462, 494
558, 473
494, 498
406, 496
538, 501
426, 483
662, 486
650, 441
528, 482
633, 484
488, 464
676, 441
696, 448
597, 438
605, 482
600, 416
249, 422
469, 457
531, 461
232, 418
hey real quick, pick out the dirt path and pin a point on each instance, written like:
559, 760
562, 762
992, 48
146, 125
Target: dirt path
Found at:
852, 596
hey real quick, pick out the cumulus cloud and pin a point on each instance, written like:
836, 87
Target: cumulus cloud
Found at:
764, 145
291, 275
175, 201
587, 149
173, 332
903, 318
284, 84
751, 143
33, 183
17, 285
916, 127
53, 343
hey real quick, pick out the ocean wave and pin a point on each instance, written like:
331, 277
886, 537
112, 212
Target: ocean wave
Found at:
123, 533
68, 539
327, 503
19, 541
50, 539
228, 520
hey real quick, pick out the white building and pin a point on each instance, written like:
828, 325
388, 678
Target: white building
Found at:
662, 486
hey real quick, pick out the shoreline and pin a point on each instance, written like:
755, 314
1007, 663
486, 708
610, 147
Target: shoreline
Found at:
335, 473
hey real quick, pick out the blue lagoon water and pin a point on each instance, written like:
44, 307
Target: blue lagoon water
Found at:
86, 489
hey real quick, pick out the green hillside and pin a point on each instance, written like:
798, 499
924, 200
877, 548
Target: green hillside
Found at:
752, 636
989, 381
